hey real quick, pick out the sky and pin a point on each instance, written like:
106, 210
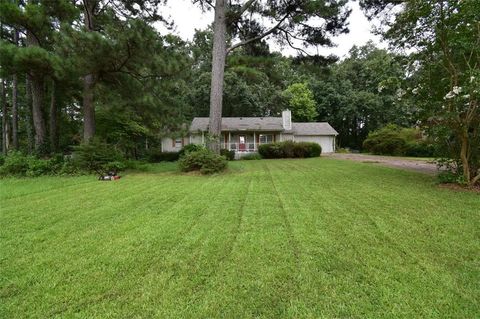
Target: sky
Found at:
188, 17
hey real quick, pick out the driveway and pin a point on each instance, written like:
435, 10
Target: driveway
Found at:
418, 165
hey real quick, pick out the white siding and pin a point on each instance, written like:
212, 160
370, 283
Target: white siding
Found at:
287, 137
167, 143
326, 142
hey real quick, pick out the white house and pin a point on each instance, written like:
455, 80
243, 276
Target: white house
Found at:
244, 134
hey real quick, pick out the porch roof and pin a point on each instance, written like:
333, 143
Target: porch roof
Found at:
232, 124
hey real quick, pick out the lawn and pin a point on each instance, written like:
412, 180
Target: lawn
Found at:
316, 238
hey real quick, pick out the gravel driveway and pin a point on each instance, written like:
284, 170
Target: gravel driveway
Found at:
417, 165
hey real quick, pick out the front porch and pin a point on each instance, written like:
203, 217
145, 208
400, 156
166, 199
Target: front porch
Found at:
247, 142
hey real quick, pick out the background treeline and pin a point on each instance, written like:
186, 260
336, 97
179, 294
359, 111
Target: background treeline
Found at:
70, 72
74, 70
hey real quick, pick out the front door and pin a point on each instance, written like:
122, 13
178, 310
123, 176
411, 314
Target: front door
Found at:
242, 139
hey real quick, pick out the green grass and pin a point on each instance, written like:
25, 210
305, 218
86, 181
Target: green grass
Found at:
316, 238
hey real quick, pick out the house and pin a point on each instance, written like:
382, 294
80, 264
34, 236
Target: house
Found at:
245, 134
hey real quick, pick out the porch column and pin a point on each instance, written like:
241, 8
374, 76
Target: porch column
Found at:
254, 141
203, 138
229, 141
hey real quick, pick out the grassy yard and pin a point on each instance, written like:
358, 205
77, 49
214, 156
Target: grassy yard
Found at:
316, 238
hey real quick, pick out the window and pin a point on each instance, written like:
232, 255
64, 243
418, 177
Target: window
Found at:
178, 142
265, 138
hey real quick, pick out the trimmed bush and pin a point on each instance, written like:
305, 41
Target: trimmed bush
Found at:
290, 149
190, 148
205, 161
156, 156
229, 155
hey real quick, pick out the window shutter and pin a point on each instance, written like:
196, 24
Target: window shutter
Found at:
173, 142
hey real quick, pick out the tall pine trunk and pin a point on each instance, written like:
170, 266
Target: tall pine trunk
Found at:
88, 108
88, 81
53, 116
5, 137
15, 101
37, 87
28, 115
218, 72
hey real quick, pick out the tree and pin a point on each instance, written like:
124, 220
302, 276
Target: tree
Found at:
290, 21
39, 21
98, 15
301, 102
361, 94
446, 66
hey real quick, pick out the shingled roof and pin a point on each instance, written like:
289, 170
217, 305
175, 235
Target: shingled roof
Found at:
312, 128
263, 124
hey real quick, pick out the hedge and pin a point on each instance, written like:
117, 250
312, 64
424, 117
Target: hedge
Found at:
290, 149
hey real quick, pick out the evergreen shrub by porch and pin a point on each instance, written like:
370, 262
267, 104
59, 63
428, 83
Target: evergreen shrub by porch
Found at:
229, 155
290, 149
204, 161
190, 148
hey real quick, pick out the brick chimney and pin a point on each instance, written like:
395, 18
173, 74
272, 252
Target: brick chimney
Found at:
287, 120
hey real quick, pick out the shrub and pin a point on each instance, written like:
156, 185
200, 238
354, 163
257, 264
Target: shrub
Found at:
271, 150
202, 160
312, 149
156, 156
397, 141
251, 156
39, 167
229, 155
420, 149
289, 149
18, 164
97, 157
447, 177
15, 164
190, 148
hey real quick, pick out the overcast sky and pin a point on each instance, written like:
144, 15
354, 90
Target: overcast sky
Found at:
188, 17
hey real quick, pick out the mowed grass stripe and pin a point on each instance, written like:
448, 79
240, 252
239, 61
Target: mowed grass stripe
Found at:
316, 238
378, 230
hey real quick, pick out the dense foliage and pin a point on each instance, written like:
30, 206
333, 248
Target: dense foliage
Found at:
397, 141
444, 71
74, 70
290, 149
205, 161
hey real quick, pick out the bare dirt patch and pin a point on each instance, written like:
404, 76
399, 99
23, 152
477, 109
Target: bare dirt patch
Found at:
459, 188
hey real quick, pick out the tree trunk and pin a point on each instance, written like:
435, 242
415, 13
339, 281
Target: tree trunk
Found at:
5, 138
88, 81
37, 114
15, 102
36, 81
218, 72
88, 108
464, 156
28, 115
53, 120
